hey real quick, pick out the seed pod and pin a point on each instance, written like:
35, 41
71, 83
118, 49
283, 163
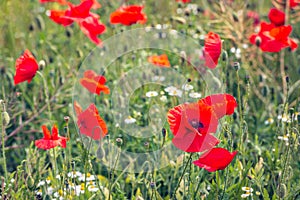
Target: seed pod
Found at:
6, 118
40, 22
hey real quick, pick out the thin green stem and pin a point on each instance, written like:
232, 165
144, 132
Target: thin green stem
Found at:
46, 91
185, 167
112, 173
240, 109
3, 144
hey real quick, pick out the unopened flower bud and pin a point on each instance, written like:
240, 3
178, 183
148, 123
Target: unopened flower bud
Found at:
119, 141
257, 41
224, 56
189, 80
6, 118
163, 132
287, 79
236, 66
152, 185
66, 118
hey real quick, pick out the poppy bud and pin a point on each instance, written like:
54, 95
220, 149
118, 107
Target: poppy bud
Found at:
146, 144
224, 56
31, 27
42, 64
30, 182
152, 185
189, 80
79, 53
40, 22
6, 118
287, 79
66, 118
281, 190
163, 132
235, 17
236, 66
257, 41
119, 141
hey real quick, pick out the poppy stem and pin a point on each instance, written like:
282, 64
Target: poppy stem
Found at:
185, 167
2, 138
46, 91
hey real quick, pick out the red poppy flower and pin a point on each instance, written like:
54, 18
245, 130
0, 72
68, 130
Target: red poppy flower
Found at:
90, 123
222, 104
62, 2
212, 49
80, 11
254, 16
277, 17
91, 27
192, 124
293, 3
50, 141
26, 67
128, 15
96, 4
215, 159
59, 17
272, 39
94, 83
184, 1
74, 12
161, 60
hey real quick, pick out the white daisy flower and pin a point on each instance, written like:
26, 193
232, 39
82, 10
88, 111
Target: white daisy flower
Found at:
151, 94
247, 189
284, 138
129, 120
173, 91
89, 177
41, 183
93, 188
247, 194
187, 87
163, 98
269, 121
74, 174
195, 95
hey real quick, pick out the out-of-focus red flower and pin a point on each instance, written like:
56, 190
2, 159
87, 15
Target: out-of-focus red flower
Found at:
59, 17
292, 3
161, 60
51, 140
221, 104
62, 2
272, 39
26, 67
193, 124
80, 11
74, 12
96, 4
277, 17
91, 27
215, 159
212, 49
254, 16
90, 123
128, 15
94, 83
184, 1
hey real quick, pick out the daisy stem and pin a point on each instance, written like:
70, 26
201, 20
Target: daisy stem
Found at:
112, 173
46, 91
185, 167
54, 161
2, 110
240, 109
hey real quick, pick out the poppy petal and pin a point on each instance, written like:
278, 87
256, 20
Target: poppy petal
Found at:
215, 159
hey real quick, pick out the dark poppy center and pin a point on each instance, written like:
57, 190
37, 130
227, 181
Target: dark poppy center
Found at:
196, 124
